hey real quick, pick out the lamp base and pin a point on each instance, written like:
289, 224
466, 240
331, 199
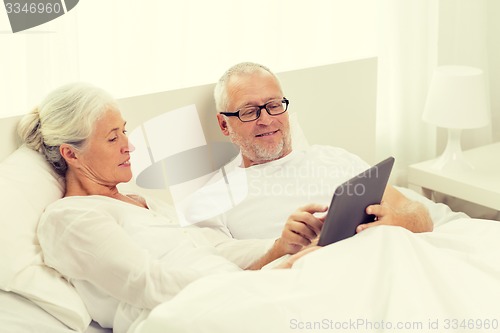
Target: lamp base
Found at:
453, 159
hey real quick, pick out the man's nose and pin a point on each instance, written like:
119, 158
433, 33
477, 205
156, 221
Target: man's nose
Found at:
264, 118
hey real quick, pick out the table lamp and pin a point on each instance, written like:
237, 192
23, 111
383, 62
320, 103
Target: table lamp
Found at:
456, 100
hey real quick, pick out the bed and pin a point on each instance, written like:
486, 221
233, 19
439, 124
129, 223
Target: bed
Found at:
380, 281
384, 279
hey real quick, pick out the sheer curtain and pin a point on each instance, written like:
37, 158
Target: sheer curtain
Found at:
35, 61
407, 53
131, 47
467, 37
414, 37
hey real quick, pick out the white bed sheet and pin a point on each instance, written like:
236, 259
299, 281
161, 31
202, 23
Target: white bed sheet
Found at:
385, 277
20, 315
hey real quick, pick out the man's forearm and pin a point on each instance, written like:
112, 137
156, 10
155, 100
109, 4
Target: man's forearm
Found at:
417, 217
396, 209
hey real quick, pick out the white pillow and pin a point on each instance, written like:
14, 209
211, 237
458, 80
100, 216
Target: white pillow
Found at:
299, 140
27, 185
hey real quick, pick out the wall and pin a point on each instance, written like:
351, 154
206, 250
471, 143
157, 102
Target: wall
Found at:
493, 37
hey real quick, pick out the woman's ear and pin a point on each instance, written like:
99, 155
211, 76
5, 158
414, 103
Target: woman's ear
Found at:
68, 153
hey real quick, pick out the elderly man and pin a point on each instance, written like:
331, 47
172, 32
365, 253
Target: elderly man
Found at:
270, 184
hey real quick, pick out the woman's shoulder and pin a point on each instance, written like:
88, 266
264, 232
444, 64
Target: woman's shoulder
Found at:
97, 204
74, 201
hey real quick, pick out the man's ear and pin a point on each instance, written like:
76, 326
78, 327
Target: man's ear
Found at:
223, 124
68, 153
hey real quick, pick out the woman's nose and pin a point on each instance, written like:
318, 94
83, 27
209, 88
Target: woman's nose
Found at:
128, 147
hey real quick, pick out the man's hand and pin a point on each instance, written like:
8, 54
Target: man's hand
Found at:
302, 228
395, 209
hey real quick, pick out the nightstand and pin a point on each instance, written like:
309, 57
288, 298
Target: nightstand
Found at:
480, 186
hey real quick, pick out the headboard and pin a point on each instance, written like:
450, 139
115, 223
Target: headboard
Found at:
335, 104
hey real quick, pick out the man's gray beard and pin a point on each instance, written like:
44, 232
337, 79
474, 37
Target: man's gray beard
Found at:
258, 152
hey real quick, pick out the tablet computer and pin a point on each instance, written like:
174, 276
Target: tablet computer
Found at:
348, 207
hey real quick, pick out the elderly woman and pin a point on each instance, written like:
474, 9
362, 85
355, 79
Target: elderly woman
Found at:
121, 251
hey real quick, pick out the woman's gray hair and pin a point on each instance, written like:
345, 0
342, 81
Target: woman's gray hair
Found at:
67, 115
220, 92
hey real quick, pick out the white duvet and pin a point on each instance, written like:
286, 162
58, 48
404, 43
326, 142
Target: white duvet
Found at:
383, 279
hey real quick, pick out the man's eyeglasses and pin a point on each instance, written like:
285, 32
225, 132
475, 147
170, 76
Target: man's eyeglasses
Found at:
251, 113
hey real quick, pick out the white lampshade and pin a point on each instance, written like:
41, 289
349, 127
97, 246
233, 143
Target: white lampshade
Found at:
457, 98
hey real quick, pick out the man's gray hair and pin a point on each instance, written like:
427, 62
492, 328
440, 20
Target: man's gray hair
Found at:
220, 92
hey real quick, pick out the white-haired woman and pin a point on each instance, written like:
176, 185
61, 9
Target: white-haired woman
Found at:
120, 253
